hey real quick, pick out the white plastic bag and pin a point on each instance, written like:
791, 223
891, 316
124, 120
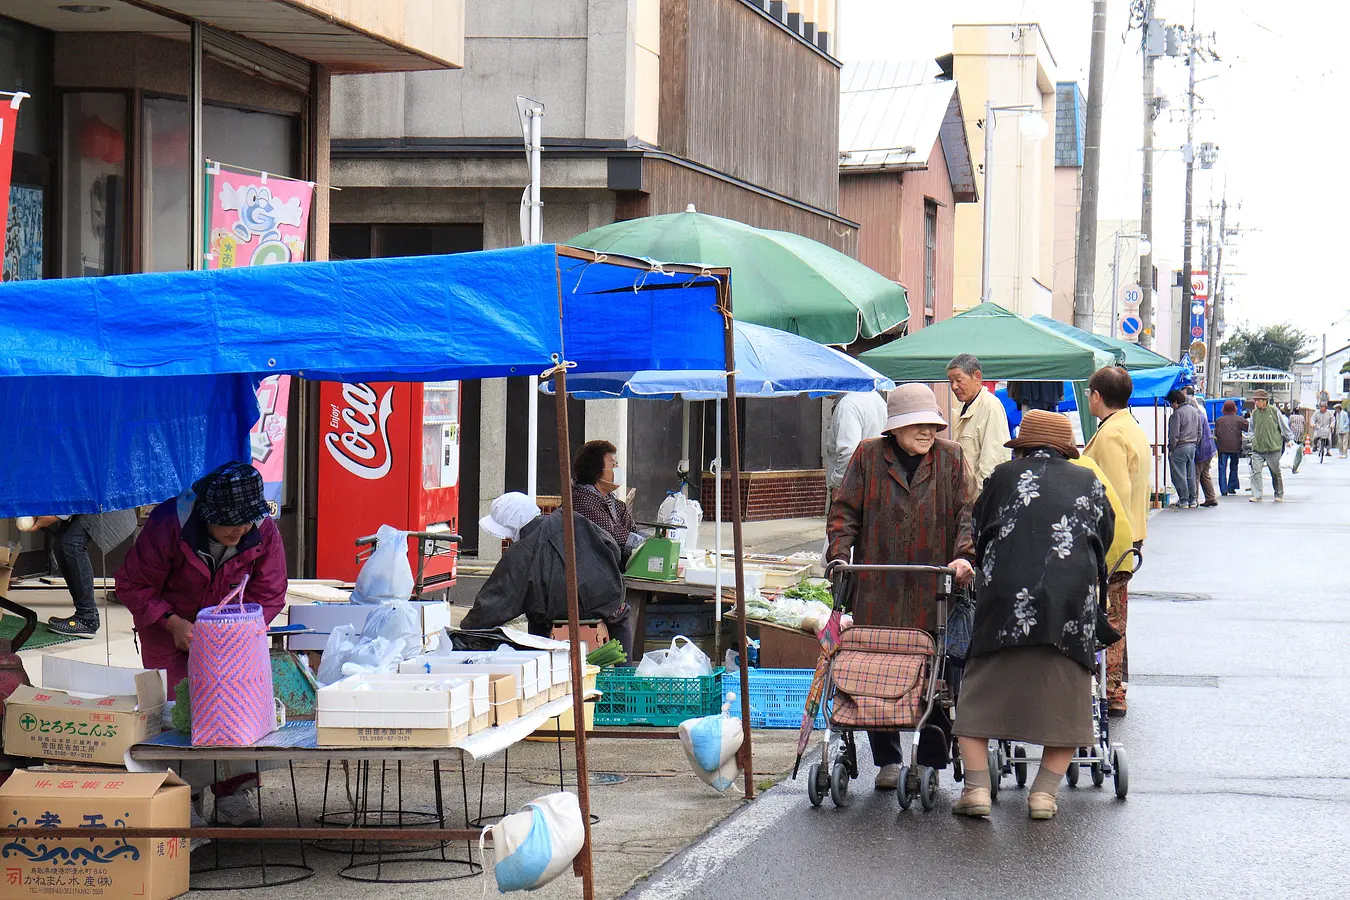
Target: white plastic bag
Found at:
341, 641
386, 576
711, 743
680, 661
537, 844
395, 621
678, 509
347, 653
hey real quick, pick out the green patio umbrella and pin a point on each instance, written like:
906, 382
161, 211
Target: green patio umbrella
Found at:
1137, 358
780, 280
1010, 348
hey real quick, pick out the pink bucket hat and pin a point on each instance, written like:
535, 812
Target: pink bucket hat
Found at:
913, 404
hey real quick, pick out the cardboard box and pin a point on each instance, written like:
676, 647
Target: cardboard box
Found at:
324, 617
401, 702
502, 694
391, 737
101, 865
84, 712
8, 556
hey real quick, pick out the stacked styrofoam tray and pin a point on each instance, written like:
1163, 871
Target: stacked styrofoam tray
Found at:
532, 671
399, 701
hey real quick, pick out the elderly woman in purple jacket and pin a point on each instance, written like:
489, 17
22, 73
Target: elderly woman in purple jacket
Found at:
193, 551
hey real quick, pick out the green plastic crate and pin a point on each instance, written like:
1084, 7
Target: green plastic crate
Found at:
627, 699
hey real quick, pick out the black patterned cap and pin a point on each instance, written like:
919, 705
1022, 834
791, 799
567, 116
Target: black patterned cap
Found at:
231, 495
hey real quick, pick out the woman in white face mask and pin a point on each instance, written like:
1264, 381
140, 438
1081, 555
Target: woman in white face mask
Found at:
598, 477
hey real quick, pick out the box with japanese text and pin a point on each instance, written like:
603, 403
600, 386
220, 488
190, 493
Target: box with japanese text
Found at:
103, 865
84, 712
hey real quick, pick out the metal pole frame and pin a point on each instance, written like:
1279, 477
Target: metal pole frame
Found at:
535, 115
197, 196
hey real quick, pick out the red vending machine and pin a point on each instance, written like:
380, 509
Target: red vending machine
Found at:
388, 455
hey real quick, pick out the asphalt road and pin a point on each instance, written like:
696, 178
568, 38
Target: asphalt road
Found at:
1238, 747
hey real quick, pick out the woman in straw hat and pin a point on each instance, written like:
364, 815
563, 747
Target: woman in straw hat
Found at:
906, 498
1043, 527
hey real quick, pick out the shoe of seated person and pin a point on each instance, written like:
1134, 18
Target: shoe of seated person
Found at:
239, 810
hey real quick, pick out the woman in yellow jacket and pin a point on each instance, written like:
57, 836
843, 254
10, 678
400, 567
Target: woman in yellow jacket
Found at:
1123, 540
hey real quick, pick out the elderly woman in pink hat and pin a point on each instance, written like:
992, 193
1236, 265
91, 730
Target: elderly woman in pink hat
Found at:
906, 498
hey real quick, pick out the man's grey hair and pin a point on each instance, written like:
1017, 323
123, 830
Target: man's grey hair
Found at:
966, 363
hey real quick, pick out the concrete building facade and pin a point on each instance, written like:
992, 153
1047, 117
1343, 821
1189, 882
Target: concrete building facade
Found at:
1007, 65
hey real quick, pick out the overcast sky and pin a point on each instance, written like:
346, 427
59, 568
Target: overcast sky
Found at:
1275, 106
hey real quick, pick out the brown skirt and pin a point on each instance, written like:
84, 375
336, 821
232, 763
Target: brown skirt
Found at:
1035, 695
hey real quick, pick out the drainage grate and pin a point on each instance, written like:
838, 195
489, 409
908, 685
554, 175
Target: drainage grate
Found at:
1207, 681
1168, 598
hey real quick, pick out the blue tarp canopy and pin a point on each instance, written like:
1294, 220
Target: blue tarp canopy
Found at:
1151, 386
121, 390
769, 363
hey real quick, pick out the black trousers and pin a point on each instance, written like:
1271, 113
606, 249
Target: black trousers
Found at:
934, 744
72, 559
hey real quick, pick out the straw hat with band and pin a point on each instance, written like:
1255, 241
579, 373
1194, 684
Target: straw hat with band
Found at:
1045, 429
913, 404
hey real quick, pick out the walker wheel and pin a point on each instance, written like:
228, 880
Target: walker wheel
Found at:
1122, 773
1020, 765
815, 789
958, 771
839, 779
1098, 769
902, 790
995, 773
1071, 774
928, 787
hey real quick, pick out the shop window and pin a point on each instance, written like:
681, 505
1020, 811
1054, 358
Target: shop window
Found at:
25, 65
94, 184
267, 142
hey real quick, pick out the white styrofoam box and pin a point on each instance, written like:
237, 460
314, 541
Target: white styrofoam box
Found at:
395, 701
324, 617
543, 662
480, 702
707, 575
562, 664
461, 662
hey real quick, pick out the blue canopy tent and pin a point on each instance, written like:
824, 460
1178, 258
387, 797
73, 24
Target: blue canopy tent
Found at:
1151, 387
121, 390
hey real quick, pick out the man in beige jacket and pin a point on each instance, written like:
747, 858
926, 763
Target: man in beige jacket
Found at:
1122, 450
982, 425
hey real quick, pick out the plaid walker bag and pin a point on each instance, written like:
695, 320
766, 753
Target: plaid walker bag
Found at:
880, 677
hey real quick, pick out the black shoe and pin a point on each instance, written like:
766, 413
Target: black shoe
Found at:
73, 627
1116, 712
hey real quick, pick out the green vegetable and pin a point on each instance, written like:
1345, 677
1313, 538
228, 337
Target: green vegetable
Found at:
811, 591
611, 654
182, 709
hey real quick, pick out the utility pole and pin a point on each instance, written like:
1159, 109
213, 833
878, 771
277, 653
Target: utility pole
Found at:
1187, 271
1086, 257
1152, 30
1216, 292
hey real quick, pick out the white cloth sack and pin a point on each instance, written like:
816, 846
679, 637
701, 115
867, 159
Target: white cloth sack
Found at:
711, 743
537, 844
386, 576
677, 509
680, 661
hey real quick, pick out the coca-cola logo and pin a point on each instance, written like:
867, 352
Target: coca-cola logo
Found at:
364, 414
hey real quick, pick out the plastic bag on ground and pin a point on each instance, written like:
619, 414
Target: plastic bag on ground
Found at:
711, 743
386, 576
399, 620
680, 661
537, 844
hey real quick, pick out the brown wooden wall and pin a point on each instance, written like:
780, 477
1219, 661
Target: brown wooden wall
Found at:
744, 97
890, 208
669, 187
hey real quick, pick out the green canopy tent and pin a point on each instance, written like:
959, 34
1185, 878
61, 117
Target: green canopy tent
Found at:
1137, 358
1009, 347
783, 280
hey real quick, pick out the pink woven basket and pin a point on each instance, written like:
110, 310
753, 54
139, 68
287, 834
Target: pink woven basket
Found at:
230, 674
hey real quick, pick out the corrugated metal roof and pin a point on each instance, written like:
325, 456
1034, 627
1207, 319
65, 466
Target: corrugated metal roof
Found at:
891, 113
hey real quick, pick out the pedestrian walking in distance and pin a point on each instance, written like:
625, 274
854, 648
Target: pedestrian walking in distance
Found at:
1185, 427
1298, 426
1122, 450
1269, 435
1228, 440
982, 425
1043, 527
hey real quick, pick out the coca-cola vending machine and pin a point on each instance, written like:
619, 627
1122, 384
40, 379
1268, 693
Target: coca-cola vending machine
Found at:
388, 455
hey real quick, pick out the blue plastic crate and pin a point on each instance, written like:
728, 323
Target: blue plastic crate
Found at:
777, 697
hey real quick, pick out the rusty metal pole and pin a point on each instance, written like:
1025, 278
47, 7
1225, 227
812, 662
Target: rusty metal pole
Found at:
583, 864
737, 535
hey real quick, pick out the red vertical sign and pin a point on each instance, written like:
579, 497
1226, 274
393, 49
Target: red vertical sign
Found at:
9, 123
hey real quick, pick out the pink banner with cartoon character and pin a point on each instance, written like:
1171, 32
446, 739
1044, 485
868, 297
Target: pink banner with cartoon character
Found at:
253, 218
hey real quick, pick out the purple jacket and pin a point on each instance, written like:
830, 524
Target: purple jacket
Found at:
164, 573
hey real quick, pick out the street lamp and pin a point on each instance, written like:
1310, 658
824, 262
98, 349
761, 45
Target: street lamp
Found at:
1145, 248
1034, 128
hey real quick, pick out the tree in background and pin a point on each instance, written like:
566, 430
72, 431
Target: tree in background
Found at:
1273, 346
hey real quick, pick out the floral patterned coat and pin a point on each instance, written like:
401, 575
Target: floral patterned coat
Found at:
885, 518
1042, 526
